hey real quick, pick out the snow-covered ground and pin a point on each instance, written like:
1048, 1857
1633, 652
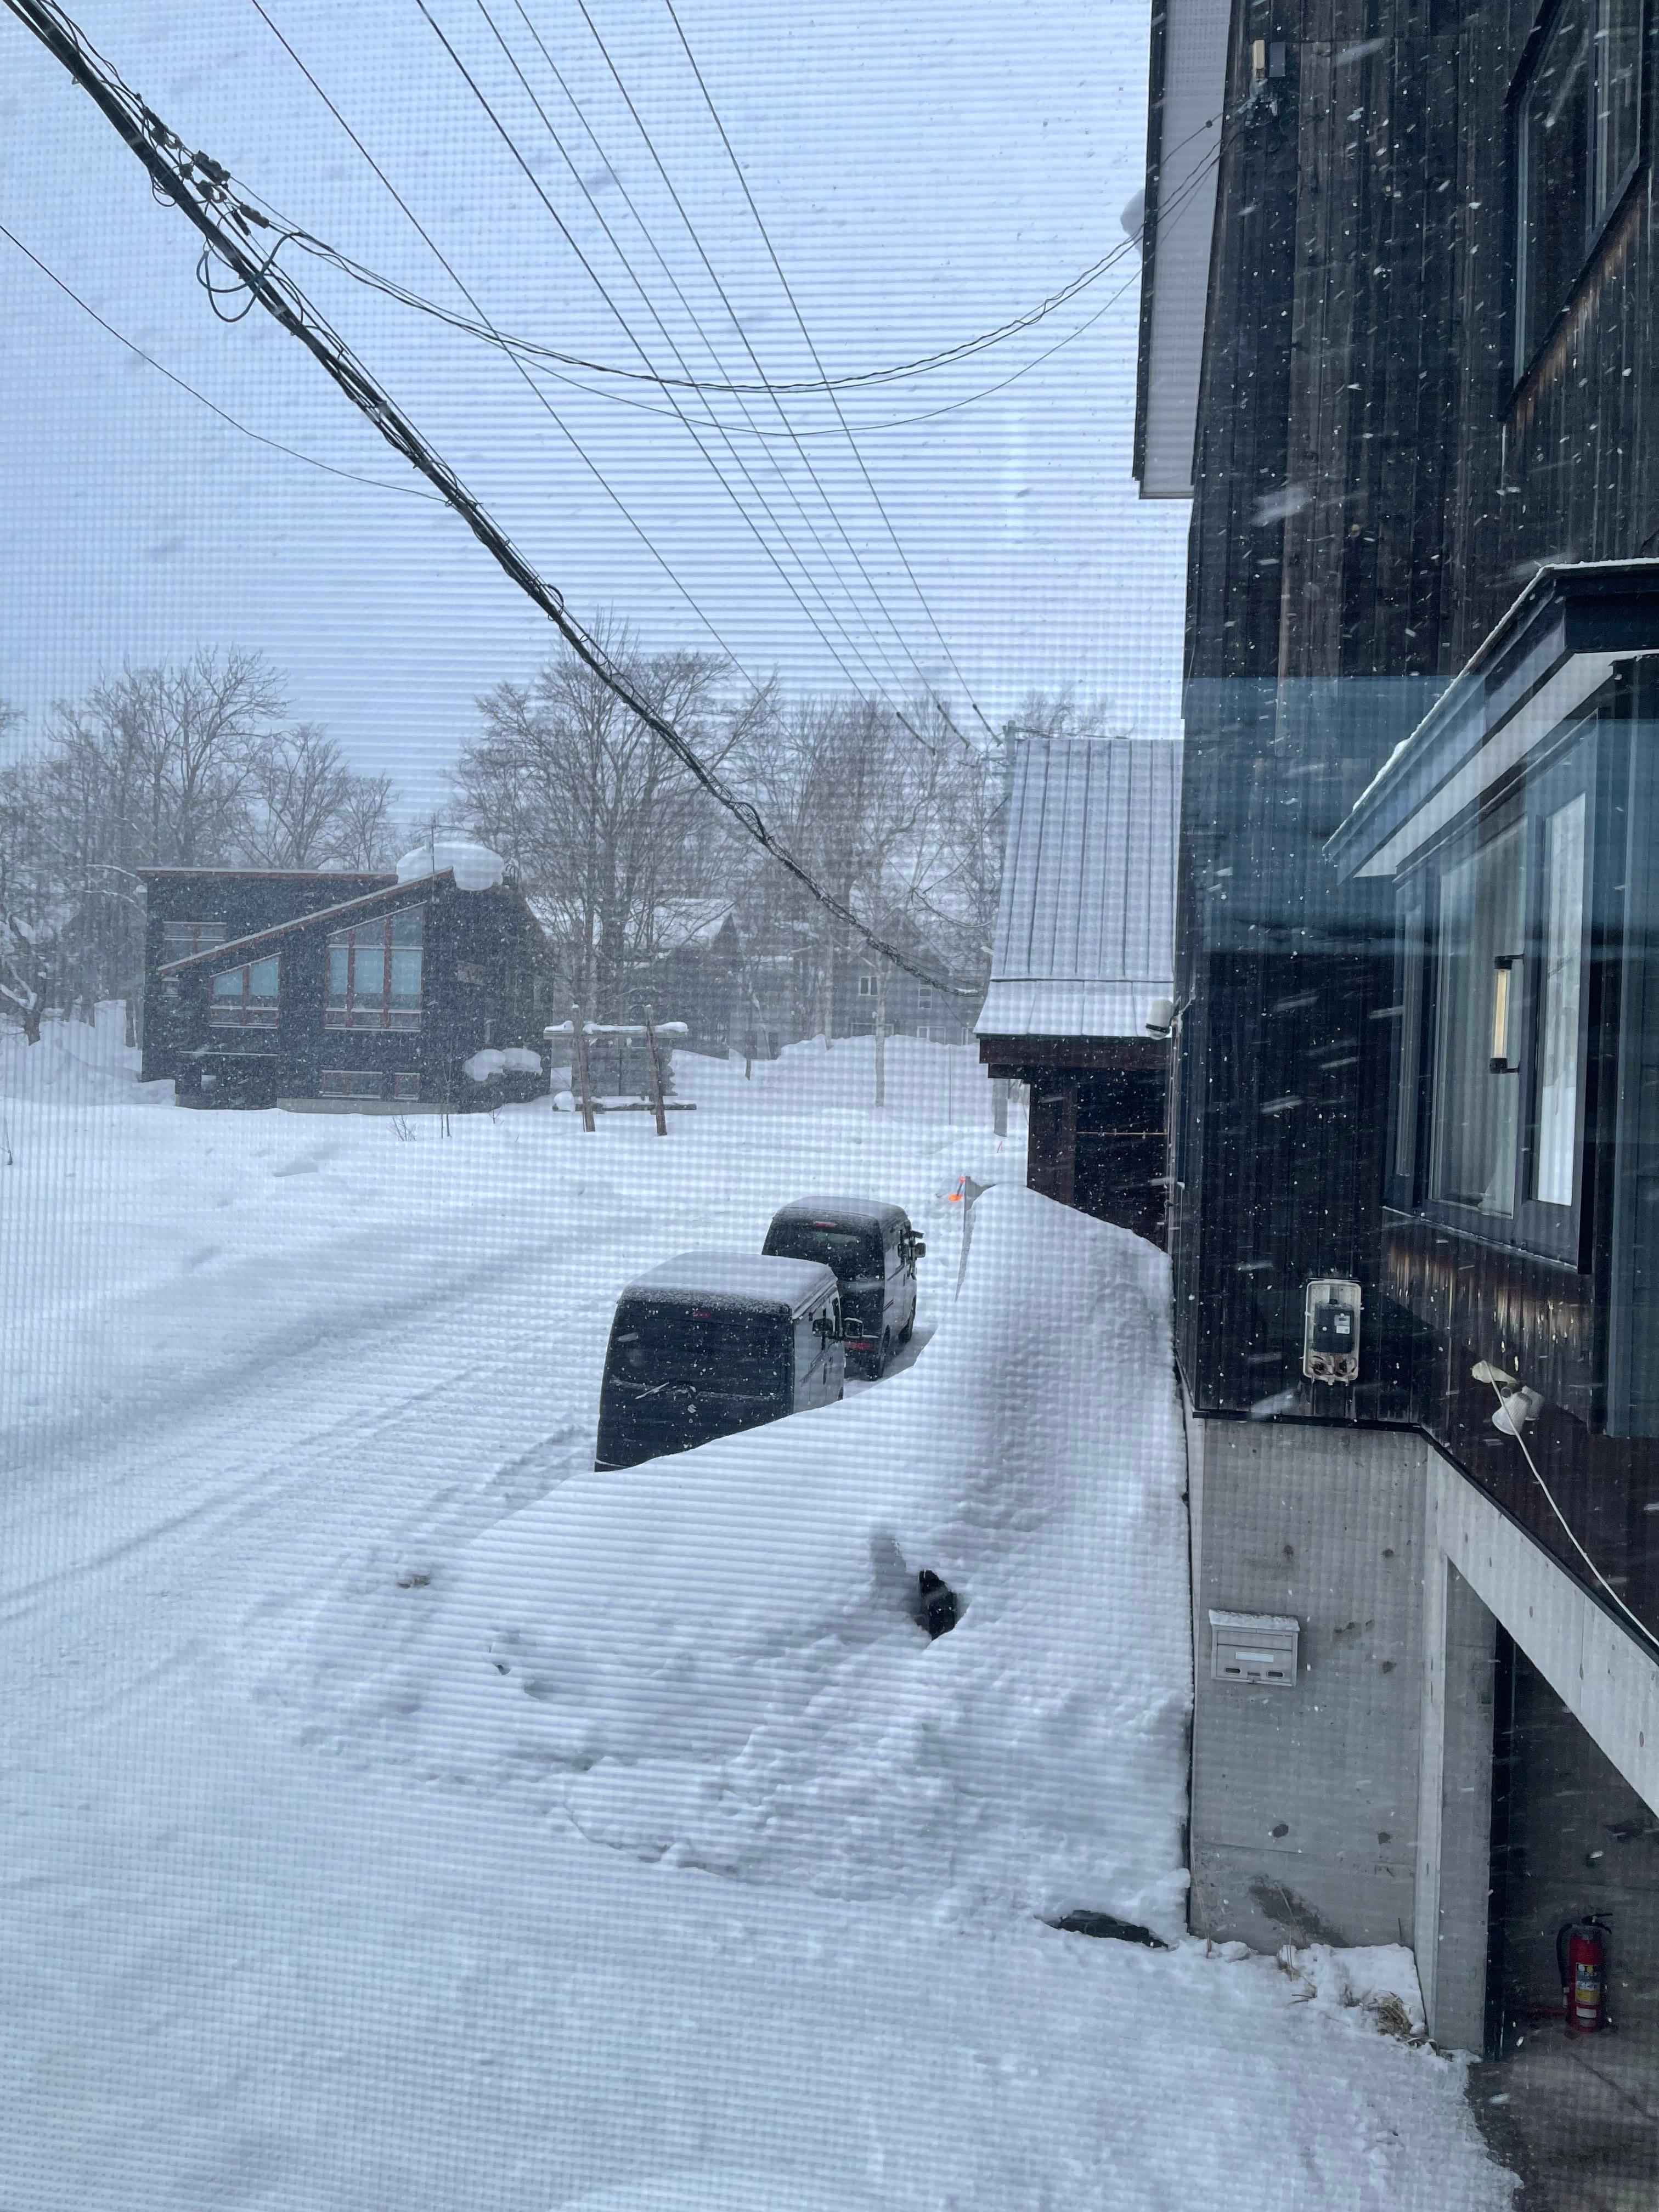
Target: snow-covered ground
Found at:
399, 1815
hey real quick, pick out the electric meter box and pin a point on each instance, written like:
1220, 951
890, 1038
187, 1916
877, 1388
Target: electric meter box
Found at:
1255, 1649
1330, 1330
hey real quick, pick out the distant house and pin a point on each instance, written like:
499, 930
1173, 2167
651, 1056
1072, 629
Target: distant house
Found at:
696, 976
1085, 952
425, 986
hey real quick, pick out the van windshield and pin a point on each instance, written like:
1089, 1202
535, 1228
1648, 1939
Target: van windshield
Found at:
854, 1253
718, 1351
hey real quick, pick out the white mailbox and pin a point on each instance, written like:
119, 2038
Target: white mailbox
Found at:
1257, 1649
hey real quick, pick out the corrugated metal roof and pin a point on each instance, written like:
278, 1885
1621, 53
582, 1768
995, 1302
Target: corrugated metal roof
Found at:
1085, 929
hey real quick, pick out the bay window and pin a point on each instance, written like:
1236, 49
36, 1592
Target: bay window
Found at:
1487, 1115
374, 973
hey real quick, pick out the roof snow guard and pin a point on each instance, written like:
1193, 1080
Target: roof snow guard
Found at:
1568, 632
1085, 929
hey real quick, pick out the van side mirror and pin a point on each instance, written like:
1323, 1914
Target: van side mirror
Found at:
918, 1247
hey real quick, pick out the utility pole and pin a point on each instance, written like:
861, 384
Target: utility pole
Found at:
656, 1071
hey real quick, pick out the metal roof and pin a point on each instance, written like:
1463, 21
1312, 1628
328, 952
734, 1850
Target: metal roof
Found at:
1085, 929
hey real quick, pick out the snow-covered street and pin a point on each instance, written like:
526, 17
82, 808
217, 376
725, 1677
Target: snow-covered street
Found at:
399, 1815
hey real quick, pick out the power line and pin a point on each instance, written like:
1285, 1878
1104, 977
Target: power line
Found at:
725, 430
744, 339
817, 364
512, 147
350, 476
197, 186
540, 397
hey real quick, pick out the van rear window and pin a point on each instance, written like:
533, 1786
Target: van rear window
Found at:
720, 1351
855, 1253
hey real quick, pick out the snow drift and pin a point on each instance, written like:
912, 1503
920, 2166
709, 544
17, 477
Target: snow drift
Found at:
717, 1659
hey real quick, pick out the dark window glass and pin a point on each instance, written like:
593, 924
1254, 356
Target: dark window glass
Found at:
718, 1352
855, 1253
1476, 1118
183, 940
1577, 143
244, 998
349, 1083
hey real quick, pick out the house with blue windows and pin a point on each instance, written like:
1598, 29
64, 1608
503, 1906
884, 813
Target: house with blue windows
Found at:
425, 986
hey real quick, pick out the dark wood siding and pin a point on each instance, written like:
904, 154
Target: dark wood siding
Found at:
1373, 489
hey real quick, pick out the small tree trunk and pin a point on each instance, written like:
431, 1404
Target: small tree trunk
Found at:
881, 1042
827, 1008
656, 1071
583, 1089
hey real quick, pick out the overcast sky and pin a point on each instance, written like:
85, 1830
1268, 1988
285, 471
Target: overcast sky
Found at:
925, 172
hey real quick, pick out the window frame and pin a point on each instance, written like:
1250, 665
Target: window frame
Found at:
1575, 763
383, 1016
1603, 203
339, 1082
222, 1014
204, 937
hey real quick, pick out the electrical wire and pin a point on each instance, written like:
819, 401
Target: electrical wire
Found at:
1514, 1430
676, 408
350, 475
748, 347
591, 466
726, 430
197, 188
834, 401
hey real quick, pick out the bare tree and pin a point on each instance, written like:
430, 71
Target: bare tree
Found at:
364, 835
598, 818
296, 788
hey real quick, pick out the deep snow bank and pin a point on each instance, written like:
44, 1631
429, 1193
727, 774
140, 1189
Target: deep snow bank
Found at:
714, 1659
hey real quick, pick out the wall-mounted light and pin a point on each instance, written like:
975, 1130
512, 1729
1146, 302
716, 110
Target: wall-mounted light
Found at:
1160, 1017
1506, 972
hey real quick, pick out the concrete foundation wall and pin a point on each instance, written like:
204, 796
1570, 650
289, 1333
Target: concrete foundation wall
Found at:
1357, 1807
1305, 1800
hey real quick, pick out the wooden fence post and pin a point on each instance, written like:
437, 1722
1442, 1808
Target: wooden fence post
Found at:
578, 1040
656, 1071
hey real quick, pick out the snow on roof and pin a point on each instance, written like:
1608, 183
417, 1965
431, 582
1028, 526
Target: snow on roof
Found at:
682, 922
1085, 929
849, 1209
718, 1275
475, 868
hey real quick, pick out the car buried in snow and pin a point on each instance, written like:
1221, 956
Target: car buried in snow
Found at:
713, 1342
873, 1251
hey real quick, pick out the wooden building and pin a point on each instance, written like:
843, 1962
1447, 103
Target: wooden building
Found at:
425, 987
1083, 961
1418, 1041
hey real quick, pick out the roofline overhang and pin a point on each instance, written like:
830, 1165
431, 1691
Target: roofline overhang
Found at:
1566, 634
324, 914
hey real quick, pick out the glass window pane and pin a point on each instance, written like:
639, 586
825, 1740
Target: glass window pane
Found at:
368, 974
1617, 93
262, 982
229, 986
1411, 1024
1559, 998
1475, 1110
1555, 179
406, 975
407, 928
339, 956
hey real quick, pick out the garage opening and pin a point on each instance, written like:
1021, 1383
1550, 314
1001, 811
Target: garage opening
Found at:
1574, 1847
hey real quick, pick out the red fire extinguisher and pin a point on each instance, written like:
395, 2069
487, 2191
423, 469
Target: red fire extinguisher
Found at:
1581, 1951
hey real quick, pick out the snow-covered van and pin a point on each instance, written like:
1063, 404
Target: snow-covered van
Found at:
713, 1342
873, 1251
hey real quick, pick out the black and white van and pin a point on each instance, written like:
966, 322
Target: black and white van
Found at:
713, 1342
873, 1251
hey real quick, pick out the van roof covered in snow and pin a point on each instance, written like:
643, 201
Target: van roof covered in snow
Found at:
736, 1277
839, 1209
